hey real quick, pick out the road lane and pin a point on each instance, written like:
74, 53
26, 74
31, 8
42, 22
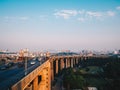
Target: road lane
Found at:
14, 74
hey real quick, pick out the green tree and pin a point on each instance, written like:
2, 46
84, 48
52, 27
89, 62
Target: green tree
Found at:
72, 80
112, 70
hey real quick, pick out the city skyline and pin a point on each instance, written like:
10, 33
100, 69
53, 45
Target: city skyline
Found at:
59, 24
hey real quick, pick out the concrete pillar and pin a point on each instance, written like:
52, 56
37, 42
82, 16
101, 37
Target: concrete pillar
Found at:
71, 62
61, 64
66, 63
81, 58
56, 66
35, 83
52, 71
76, 60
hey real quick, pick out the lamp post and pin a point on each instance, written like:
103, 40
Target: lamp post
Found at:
26, 55
25, 66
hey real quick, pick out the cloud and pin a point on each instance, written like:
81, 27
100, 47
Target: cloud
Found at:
59, 14
6, 17
16, 18
70, 12
66, 14
23, 18
9, 17
110, 13
118, 8
84, 15
94, 14
100, 15
43, 18
81, 11
81, 19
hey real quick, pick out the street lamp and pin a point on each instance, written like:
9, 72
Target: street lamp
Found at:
26, 55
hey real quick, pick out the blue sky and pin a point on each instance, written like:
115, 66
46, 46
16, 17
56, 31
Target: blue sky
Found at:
59, 24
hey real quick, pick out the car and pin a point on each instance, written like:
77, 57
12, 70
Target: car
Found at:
39, 59
3, 67
20, 64
10, 64
32, 62
34, 58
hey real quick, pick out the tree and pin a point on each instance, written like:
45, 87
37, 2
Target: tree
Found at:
72, 80
112, 70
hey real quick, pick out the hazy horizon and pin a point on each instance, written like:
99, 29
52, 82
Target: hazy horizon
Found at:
59, 25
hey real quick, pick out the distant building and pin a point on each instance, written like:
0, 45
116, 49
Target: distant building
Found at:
115, 52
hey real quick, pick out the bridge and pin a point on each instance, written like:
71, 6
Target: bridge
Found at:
42, 77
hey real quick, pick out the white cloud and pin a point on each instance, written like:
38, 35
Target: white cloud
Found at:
84, 14
110, 13
65, 16
65, 13
16, 18
81, 19
8, 17
81, 11
94, 14
70, 12
118, 8
23, 18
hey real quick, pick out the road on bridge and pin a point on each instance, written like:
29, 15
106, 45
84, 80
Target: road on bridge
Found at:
12, 75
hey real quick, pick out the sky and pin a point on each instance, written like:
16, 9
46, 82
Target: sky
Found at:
59, 25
